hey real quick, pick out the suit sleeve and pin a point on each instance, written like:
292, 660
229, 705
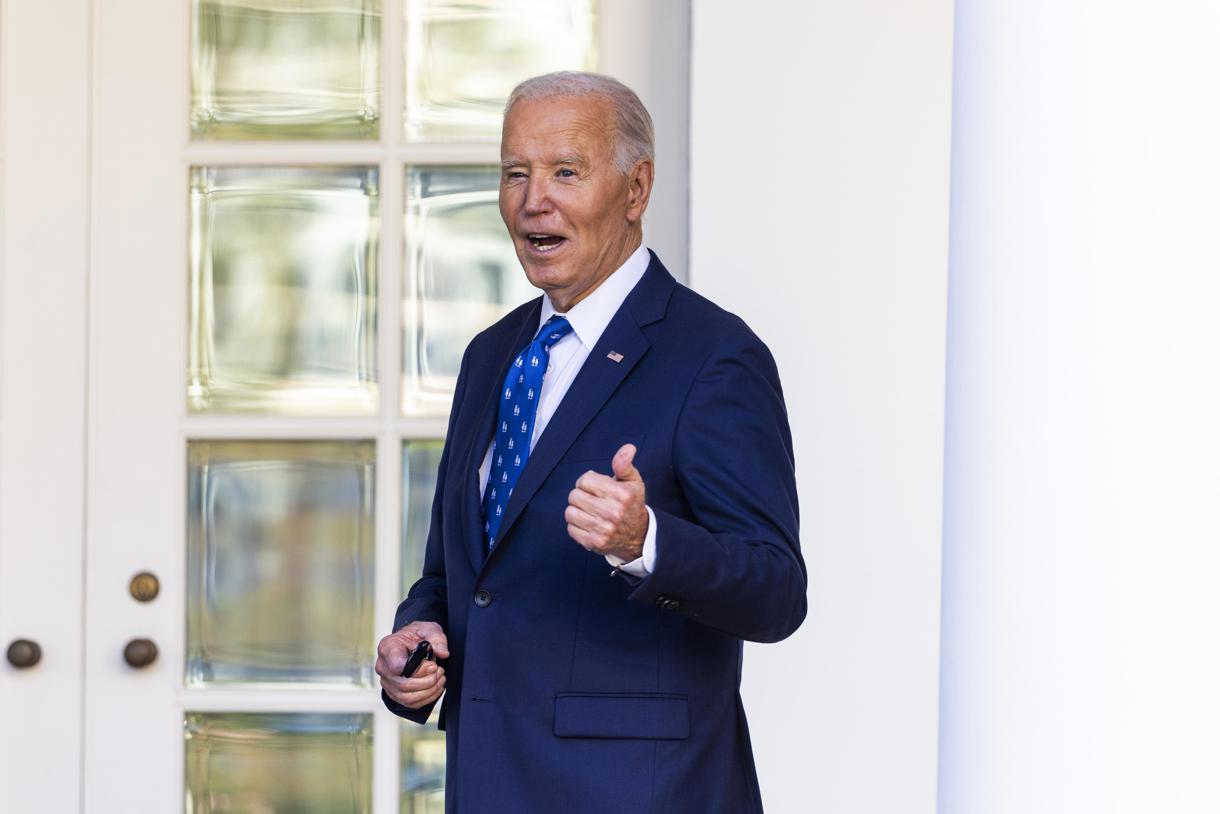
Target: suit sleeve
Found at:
734, 562
427, 600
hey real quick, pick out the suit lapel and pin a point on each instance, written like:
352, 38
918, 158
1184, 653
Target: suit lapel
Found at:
484, 431
594, 385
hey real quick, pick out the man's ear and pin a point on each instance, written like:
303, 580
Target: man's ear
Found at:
639, 189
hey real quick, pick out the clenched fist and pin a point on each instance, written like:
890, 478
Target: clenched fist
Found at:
428, 682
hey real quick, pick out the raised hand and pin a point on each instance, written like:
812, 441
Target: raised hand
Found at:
606, 515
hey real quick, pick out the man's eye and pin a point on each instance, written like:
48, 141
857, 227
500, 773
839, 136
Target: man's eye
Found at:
566, 173
514, 175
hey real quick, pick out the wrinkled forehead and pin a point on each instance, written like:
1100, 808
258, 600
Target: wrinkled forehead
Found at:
542, 130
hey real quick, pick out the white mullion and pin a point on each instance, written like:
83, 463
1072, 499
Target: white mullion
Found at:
392, 73
421, 429
281, 154
278, 698
389, 338
389, 442
277, 428
293, 428
450, 153
388, 586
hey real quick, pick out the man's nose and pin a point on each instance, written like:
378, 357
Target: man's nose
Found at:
537, 196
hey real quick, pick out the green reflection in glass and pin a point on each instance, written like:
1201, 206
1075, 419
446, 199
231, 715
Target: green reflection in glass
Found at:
464, 57
420, 460
460, 273
280, 562
283, 290
238, 763
285, 69
422, 753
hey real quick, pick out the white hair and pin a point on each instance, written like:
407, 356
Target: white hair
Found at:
633, 134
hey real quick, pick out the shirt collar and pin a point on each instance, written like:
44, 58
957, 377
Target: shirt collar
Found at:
590, 316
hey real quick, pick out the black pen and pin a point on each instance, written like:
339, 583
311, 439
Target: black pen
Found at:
421, 653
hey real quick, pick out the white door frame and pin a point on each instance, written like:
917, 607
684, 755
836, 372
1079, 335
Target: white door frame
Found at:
138, 426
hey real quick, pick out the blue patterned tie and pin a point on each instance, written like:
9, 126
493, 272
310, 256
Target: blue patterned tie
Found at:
515, 428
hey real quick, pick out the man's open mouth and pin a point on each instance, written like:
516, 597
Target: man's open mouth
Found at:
545, 243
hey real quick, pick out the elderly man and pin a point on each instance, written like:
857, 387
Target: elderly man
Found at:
615, 509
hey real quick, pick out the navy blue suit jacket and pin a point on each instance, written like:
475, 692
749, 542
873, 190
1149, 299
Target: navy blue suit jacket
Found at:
577, 690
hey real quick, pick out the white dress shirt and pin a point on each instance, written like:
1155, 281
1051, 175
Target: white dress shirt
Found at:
588, 319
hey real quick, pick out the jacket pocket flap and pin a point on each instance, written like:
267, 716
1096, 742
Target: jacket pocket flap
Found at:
621, 715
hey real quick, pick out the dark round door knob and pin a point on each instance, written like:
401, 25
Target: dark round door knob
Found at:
24, 653
140, 653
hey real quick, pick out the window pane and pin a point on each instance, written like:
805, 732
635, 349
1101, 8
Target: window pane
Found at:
422, 751
280, 562
283, 290
237, 763
460, 275
285, 69
463, 59
420, 460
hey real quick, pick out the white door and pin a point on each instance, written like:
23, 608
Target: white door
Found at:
44, 140
293, 232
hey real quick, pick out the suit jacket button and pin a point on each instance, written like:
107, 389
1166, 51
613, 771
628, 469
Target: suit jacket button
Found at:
482, 598
672, 604
661, 601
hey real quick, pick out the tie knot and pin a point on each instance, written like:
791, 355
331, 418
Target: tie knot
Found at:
553, 330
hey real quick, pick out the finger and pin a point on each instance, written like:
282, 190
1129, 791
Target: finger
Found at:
419, 682
624, 464
582, 537
432, 633
598, 484
426, 669
391, 651
585, 521
415, 700
605, 508
399, 682
440, 644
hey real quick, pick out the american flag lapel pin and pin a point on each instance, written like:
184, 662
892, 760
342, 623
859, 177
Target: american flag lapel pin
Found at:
614, 356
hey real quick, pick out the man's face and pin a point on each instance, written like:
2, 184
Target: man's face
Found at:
573, 217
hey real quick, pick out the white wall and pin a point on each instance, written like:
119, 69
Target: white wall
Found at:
1081, 645
819, 213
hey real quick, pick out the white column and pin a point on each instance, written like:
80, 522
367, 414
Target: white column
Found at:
1081, 610
819, 213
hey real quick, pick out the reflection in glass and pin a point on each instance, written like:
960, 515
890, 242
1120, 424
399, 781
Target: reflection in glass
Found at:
285, 69
460, 275
283, 290
238, 763
422, 752
280, 562
420, 460
465, 56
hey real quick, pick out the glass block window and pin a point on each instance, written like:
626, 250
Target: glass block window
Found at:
463, 59
421, 750
286, 69
283, 290
305, 763
420, 460
285, 265
460, 274
280, 562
